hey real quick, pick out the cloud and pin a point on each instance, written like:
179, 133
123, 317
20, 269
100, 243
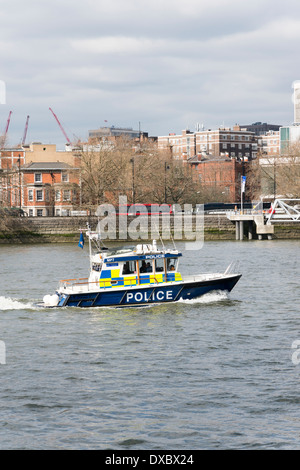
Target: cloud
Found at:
164, 63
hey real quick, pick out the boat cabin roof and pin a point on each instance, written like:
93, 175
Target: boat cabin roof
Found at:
139, 252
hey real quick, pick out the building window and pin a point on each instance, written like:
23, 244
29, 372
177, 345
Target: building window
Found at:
39, 195
67, 195
57, 195
38, 177
30, 212
64, 177
224, 146
39, 212
30, 194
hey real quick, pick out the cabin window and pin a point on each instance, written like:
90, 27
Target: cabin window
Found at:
145, 266
96, 267
171, 264
159, 265
129, 267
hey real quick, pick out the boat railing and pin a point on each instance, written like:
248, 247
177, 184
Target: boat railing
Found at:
85, 284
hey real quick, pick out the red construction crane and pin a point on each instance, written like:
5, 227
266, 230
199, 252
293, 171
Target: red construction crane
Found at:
68, 140
3, 137
7, 124
25, 131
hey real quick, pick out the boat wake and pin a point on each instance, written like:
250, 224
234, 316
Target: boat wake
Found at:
7, 303
210, 297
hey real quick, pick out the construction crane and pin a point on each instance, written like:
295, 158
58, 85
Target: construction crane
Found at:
7, 124
57, 120
25, 131
3, 138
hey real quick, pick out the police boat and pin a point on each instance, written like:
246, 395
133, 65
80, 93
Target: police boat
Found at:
135, 276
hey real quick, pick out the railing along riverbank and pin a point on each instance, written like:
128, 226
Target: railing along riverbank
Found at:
66, 229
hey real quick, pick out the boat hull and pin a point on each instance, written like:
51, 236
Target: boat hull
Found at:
139, 296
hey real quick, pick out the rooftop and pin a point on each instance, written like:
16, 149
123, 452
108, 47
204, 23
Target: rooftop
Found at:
47, 166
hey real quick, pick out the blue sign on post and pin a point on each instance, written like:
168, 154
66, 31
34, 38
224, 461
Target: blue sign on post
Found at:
243, 183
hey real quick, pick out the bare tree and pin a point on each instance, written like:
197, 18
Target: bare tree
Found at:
275, 175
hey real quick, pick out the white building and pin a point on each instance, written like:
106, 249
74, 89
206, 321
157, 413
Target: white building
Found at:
297, 102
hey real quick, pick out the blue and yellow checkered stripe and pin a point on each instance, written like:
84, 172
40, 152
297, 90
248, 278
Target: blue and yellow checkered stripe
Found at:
112, 278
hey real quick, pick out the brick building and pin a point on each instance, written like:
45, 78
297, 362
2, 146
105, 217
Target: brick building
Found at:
49, 188
11, 162
221, 175
39, 179
236, 143
11, 158
270, 143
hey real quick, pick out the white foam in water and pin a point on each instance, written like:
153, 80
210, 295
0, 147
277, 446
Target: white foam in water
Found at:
6, 303
210, 297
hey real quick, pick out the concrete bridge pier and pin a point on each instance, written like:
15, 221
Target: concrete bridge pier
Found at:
250, 229
239, 229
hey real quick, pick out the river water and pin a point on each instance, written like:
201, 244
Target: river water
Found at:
217, 373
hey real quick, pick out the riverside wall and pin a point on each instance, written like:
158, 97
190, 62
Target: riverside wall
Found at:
67, 229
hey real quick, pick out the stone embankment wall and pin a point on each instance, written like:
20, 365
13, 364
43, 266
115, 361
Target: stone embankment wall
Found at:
67, 229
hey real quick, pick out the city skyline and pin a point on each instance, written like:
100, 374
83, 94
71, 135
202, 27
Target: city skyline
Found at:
162, 66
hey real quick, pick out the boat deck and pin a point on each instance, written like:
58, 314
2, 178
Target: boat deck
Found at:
72, 286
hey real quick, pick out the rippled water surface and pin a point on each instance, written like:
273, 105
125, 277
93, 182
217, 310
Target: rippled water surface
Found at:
213, 374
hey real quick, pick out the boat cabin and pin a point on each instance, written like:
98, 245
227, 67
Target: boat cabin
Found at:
142, 265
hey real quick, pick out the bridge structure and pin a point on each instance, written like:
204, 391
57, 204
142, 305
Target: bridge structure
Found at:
261, 222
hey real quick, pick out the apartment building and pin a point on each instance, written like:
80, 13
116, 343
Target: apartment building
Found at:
269, 143
235, 143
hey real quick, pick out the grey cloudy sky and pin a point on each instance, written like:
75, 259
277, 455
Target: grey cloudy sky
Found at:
167, 64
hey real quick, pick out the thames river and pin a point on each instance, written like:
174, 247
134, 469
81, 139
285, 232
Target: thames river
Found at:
222, 372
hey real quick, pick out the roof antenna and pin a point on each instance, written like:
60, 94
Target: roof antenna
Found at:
164, 248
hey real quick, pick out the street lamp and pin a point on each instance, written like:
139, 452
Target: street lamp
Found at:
166, 168
133, 186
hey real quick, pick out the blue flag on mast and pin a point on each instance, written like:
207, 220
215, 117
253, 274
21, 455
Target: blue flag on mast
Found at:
81, 241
